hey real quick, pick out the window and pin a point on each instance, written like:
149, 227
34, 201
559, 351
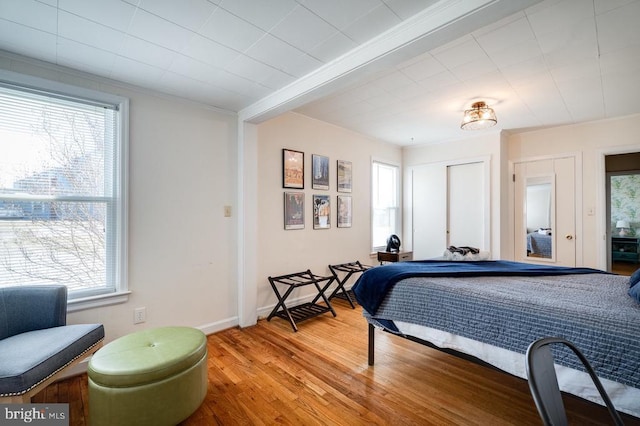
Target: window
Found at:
385, 210
62, 187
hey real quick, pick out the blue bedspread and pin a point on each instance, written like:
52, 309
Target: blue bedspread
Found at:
375, 283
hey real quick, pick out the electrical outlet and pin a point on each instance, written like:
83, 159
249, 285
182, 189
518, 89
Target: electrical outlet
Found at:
139, 315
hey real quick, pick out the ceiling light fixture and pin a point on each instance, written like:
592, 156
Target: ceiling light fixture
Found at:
480, 116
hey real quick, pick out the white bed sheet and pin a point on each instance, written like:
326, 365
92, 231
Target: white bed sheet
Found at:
625, 398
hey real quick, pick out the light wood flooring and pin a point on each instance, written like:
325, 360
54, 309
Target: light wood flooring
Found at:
267, 374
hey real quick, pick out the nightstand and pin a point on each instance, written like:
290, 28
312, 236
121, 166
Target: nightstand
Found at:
394, 256
624, 249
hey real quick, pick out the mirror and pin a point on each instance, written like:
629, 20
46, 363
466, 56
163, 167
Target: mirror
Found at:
539, 216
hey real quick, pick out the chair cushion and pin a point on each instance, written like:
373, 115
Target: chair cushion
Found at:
28, 308
27, 359
147, 356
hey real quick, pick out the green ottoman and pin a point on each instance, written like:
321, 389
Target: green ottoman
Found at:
152, 377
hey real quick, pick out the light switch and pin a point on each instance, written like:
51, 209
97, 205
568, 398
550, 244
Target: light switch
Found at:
227, 211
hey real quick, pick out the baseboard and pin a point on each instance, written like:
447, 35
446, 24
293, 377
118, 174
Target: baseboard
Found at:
79, 368
217, 326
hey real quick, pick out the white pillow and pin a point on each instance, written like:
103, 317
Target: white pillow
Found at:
483, 255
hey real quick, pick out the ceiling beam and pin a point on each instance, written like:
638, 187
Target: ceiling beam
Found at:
436, 25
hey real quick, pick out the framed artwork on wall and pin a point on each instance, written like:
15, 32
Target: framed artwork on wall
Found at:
294, 210
320, 172
292, 169
344, 211
345, 176
321, 212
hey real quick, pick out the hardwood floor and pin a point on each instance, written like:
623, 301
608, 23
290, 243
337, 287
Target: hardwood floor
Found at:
624, 268
267, 374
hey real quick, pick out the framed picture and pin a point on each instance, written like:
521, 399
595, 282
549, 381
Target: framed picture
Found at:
294, 210
320, 172
292, 169
321, 212
344, 211
345, 176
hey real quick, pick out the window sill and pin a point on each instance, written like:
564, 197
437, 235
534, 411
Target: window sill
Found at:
97, 301
374, 253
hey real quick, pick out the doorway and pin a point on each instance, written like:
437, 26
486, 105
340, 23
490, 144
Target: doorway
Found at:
623, 212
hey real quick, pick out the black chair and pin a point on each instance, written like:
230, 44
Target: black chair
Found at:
543, 381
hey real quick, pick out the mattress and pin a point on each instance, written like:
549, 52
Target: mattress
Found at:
539, 244
495, 318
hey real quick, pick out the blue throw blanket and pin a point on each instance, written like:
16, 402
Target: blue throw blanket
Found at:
373, 284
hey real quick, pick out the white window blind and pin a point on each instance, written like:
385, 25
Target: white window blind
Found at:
385, 203
60, 191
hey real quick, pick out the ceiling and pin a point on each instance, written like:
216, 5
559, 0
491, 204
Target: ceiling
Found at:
401, 71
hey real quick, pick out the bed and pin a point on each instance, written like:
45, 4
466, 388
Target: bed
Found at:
493, 310
539, 244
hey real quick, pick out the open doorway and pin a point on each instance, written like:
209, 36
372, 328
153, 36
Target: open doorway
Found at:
623, 212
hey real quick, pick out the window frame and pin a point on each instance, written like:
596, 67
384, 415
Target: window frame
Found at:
119, 272
398, 199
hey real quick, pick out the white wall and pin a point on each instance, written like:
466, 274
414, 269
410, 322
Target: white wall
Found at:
182, 249
282, 251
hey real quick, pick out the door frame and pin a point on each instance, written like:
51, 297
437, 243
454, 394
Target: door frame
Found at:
579, 232
602, 232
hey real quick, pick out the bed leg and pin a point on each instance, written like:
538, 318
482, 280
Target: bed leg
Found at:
372, 330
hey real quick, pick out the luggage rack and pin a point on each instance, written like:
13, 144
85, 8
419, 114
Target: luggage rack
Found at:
306, 310
350, 268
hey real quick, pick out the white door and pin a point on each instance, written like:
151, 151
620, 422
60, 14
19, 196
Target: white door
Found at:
529, 241
429, 212
466, 192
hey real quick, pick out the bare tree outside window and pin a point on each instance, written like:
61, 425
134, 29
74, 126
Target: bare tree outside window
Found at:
56, 194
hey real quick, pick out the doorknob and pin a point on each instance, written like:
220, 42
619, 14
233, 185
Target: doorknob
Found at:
569, 237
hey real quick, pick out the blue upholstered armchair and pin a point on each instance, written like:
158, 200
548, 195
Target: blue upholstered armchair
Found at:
36, 345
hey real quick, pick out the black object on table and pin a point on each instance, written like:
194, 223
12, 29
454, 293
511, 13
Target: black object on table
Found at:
305, 310
350, 269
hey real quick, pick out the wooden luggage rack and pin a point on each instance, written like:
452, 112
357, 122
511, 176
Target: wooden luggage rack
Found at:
350, 269
304, 311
